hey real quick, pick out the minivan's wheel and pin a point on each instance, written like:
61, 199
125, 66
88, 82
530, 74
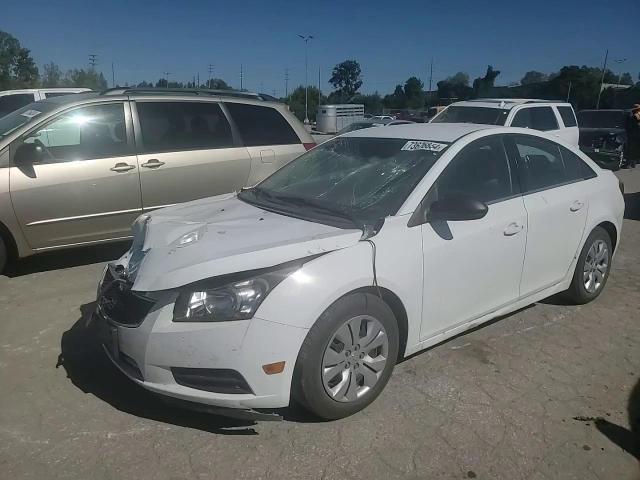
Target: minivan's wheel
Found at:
3, 255
592, 268
347, 357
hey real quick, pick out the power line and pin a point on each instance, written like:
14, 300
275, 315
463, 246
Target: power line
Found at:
210, 72
93, 60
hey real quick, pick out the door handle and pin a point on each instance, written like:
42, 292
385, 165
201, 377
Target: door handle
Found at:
513, 228
577, 205
122, 167
153, 163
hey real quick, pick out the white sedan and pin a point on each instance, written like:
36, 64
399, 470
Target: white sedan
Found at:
366, 249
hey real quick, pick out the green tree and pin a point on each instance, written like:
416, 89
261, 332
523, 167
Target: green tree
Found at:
414, 93
372, 103
626, 79
17, 68
455, 87
86, 78
482, 85
296, 102
397, 99
533, 76
346, 78
460, 78
52, 76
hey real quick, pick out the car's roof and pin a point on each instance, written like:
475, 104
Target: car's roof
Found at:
504, 103
437, 132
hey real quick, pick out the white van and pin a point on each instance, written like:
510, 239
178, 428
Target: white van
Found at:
556, 118
11, 100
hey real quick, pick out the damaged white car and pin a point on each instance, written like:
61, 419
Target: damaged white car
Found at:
364, 250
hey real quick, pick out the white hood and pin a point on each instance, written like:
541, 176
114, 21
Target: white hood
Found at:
219, 235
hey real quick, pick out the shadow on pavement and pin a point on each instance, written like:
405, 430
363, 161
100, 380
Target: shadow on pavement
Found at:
67, 258
628, 440
91, 371
632, 206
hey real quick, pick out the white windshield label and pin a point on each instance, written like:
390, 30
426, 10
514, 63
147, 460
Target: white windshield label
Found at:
30, 113
423, 145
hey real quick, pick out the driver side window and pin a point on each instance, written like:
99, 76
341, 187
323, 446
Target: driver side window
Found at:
481, 170
97, 131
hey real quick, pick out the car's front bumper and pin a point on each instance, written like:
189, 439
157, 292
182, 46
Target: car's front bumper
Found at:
608, 159
147, 353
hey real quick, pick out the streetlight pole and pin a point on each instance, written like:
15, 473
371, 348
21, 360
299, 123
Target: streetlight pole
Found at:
306, 39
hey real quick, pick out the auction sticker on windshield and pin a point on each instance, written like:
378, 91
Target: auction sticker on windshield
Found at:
30, 113
424, 145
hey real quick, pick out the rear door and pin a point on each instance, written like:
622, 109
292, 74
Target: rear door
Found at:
538, 117
570, 133
268, 136
186, 151
556, 201
86, 187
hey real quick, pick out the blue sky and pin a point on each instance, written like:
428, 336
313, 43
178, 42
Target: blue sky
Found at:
392, 40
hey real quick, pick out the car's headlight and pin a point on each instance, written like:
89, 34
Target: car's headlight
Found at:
235, 300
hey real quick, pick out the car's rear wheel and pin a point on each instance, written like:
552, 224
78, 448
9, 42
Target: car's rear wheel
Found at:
347, 357
3, 255
592, 268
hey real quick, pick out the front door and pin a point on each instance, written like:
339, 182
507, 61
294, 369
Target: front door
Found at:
186, 151
75, 178
473, 267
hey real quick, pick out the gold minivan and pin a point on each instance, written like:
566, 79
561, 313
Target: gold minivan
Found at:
77, 170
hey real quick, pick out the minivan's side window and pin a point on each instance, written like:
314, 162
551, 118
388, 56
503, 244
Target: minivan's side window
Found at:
261, 125
568, 117
178, 126
575, 167
538, 118
96, 131
480, 170
10, 103
541, 161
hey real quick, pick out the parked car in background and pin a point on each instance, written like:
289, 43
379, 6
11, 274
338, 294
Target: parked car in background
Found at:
11, 100
372, 122
603, 136
365, 250
555, 118
77, 170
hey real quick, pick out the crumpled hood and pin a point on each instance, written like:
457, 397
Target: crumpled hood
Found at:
220, 235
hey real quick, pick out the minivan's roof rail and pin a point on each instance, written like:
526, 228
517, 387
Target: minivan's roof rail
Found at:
519, 101
185, 91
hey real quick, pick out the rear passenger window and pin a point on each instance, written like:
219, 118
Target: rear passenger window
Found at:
179, 126
261, 125
56, 94
575, 167
543, 166
481, 170
568, 117
543, 118
522, 119
10, 103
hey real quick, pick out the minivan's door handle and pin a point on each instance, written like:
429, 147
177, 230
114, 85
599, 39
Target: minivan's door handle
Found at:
122, 167
153, 163
513, 228
577, 205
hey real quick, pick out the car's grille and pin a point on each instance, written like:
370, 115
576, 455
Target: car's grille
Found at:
118, 304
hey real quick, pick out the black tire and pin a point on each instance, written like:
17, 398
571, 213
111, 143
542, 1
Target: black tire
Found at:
3, 255
577, 292
308, 388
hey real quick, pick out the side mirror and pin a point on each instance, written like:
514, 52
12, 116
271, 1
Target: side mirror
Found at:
457, 208
28, 154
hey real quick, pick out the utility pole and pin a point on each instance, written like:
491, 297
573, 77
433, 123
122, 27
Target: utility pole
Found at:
93, 60
430, 81
306, 39
286, 83
113, 76
210, 72
198, 76
319, 94
569, 91
166, 74
261, 87
241, 76
604, 69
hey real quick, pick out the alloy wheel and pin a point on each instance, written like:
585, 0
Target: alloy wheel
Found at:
596, 264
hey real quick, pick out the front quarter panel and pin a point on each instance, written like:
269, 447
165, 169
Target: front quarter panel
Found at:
301, 298
7, 215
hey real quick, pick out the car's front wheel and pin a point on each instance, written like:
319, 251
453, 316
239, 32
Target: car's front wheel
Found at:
347, 356
592, 268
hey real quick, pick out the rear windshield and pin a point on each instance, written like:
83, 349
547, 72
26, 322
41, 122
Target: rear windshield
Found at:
480, 115
16, 119
601, 119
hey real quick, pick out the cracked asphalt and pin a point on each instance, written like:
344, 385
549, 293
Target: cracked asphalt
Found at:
549, 392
